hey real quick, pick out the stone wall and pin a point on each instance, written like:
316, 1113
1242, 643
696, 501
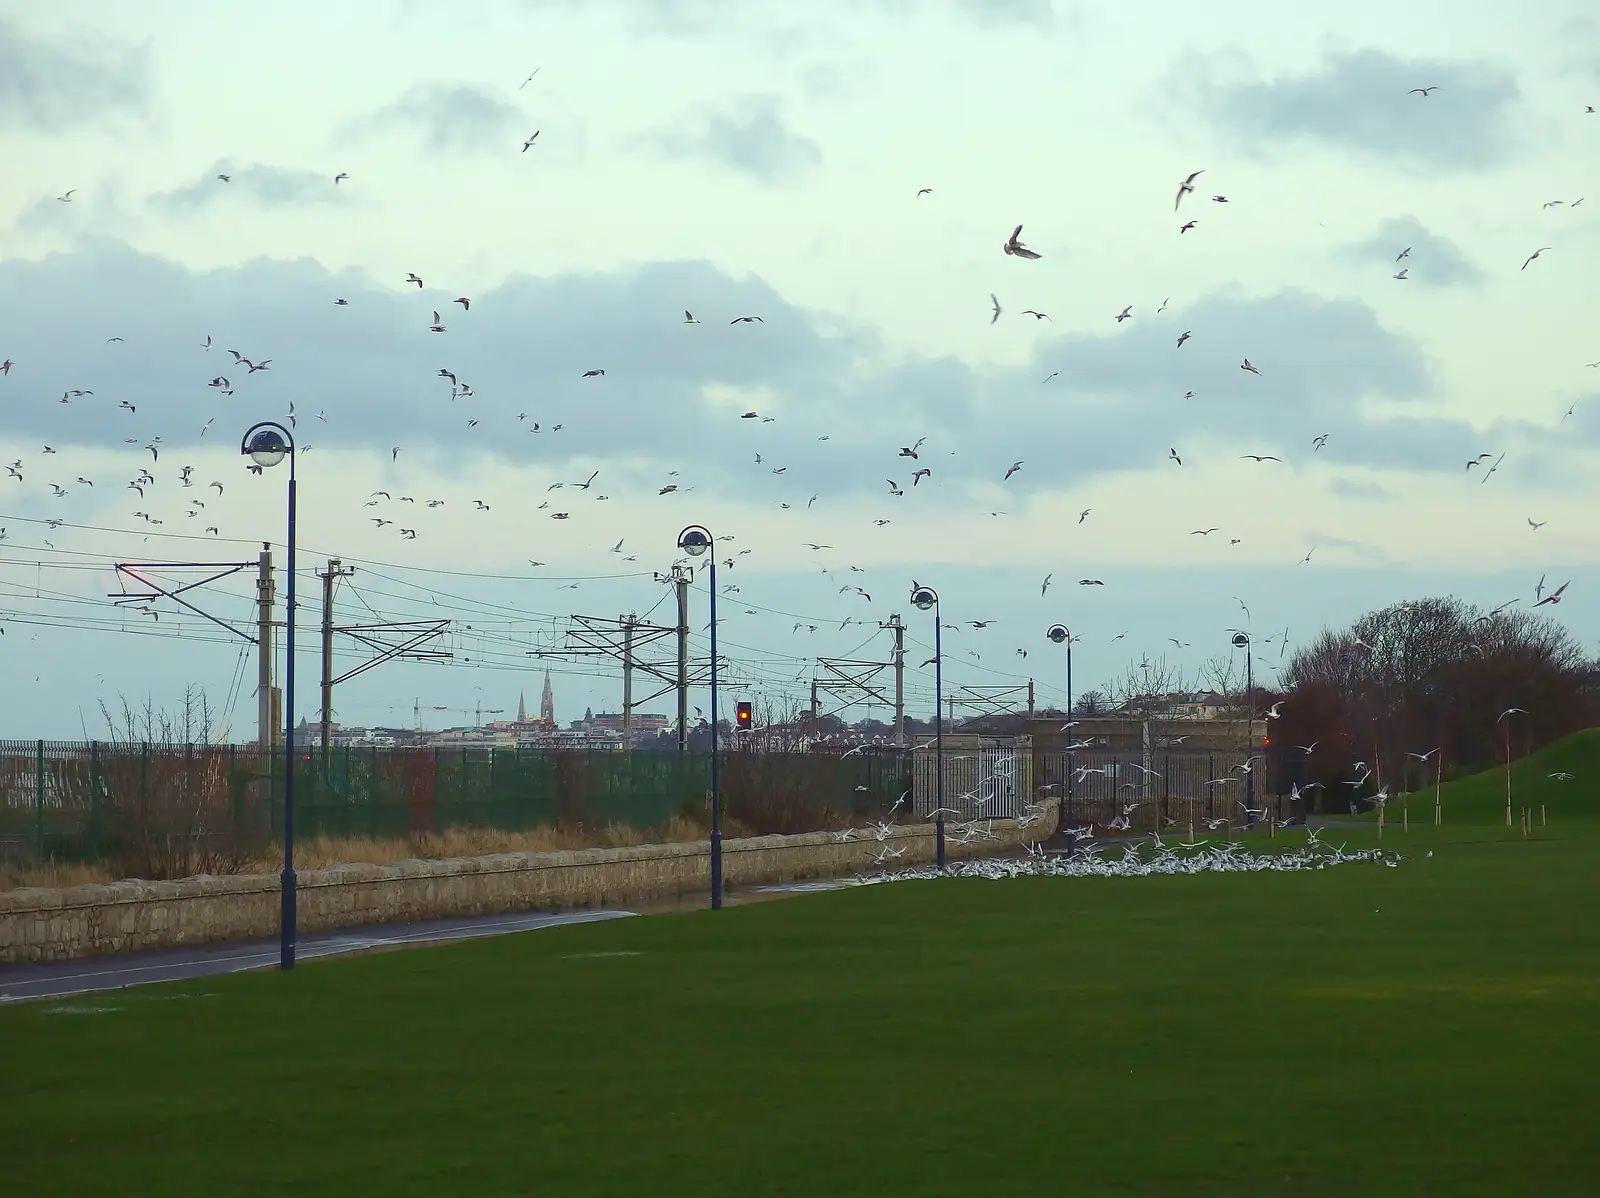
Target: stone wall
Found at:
80, 921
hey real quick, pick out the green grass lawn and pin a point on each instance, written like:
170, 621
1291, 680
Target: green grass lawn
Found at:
1426, 1029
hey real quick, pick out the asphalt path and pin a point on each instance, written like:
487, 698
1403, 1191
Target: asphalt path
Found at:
85, 975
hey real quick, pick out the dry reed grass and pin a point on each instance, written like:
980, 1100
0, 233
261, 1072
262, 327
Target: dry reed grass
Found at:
454, 842
53, 876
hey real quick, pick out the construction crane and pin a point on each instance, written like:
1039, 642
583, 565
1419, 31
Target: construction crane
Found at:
477, 712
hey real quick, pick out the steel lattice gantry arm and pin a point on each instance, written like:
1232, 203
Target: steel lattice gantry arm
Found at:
135, 572
413, 633
851, 682
990, 700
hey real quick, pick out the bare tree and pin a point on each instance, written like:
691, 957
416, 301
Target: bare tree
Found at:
1145, 686
1436, 672
1090, 703
1225, 676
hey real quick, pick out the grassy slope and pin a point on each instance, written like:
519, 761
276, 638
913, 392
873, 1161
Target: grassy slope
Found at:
1481, 798
1423, 1029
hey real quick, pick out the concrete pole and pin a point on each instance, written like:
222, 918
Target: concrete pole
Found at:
899, 681
627, 682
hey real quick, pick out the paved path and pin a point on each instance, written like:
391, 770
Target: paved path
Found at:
58, 979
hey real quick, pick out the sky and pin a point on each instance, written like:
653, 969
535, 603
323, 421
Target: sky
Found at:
848, 174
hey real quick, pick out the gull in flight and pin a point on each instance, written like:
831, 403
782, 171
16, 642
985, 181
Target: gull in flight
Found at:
1423, 91
1536, 525
1186, 335
1186, 188
1403, 274
1318, 442
1125, 314
1083, 515
1260, 457
1015, 248
996, 315
66, 198
1173, 455
531, 140
1015, 466
1246, 365
1554, 596
1405, 253
1038, 315
1535, 254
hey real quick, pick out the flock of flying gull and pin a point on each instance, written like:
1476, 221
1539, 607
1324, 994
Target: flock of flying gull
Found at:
238, 370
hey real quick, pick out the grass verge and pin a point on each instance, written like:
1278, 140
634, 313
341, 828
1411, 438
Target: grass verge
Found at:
1360, 1030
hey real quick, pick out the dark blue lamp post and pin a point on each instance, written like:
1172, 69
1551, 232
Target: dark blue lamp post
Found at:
1241, 640
927, 599
696, 541
266, 445
1061, 636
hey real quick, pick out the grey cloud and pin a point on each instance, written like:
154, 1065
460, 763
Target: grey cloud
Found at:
54, 85
268, 186
1357, 100
1007, 12
673, 394
1434, 261
1364, 490
448, 117
750, 136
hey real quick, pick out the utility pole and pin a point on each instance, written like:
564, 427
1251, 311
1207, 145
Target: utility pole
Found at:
265, 738
680, 584
894, 625
627, 681
1030, 698
335, 572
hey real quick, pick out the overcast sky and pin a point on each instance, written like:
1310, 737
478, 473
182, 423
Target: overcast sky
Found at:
766, 160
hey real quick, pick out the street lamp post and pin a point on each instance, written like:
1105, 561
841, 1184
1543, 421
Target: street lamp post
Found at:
696, 540
1061, 636
924, 599
266, 445
1241, 640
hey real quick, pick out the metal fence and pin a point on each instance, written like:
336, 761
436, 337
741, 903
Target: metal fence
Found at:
161, 810
1173, 789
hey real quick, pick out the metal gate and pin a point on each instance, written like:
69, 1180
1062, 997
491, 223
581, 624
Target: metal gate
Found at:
982, 779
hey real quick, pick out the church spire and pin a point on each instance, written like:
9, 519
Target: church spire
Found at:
522, 708
547, 702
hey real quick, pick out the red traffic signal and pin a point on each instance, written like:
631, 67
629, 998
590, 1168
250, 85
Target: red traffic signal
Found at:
743, 715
